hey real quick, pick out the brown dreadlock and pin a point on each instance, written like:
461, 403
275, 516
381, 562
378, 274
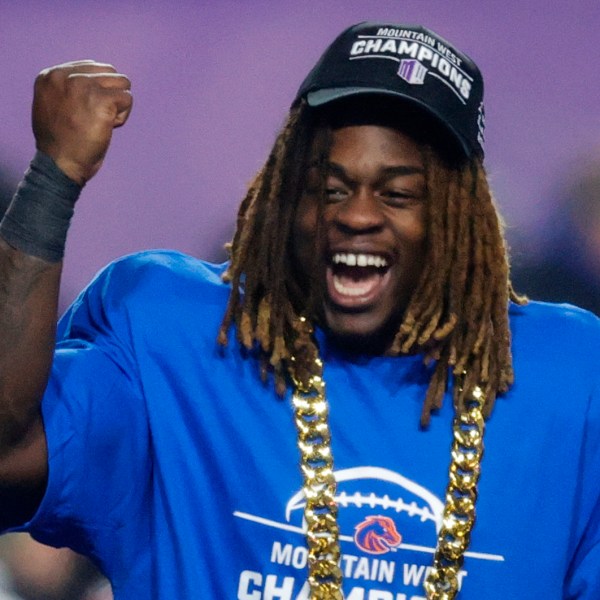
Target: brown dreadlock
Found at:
457, 316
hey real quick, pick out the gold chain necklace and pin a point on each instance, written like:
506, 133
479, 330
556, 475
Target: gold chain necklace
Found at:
319, 485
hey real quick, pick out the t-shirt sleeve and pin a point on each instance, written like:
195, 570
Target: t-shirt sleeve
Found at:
95, 421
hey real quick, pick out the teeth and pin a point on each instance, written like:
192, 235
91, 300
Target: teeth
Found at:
359, 260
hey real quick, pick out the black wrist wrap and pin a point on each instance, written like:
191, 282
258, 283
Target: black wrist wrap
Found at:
39, 215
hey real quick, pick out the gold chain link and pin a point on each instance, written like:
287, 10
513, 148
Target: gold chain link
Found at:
316, 464
458, 518
311, 414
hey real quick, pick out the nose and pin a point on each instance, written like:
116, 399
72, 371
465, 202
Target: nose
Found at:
360, 213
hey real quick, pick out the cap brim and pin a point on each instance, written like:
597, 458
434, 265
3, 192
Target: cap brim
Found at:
326, 95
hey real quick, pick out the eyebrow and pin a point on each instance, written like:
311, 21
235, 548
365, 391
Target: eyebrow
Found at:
384, 174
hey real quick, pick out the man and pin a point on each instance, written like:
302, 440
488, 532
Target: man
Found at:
363, 329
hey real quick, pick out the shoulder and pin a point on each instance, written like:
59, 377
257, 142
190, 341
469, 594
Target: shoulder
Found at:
556, 341
550, 323
160, 274
166, 264
151, 289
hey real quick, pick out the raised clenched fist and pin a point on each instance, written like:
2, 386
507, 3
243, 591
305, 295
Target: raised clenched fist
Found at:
76, 106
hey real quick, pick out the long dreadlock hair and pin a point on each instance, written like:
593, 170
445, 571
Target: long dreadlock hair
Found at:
457, 315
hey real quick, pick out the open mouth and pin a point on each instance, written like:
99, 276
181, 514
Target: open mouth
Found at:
356, 279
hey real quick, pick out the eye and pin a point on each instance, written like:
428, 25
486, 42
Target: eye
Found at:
335, 194
401, 197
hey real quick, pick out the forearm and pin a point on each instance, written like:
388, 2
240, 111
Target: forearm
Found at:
32, 238
28, 305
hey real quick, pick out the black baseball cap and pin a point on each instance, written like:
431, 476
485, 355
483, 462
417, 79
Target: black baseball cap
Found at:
407, 61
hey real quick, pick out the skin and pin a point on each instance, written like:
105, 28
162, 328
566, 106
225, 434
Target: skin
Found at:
374, 205
76, 106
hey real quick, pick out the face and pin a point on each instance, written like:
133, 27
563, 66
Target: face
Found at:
374, 229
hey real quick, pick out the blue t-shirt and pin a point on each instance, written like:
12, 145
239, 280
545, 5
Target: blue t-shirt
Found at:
175, 467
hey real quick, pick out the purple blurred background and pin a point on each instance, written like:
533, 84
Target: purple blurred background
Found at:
212, 83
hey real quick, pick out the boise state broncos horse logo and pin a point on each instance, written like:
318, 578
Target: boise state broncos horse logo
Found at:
377, 535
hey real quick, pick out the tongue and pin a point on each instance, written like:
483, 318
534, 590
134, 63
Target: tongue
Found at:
354, 287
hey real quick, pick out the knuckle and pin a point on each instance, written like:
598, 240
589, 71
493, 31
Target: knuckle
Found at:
126, 81
42, 75
47, 74
76, 84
